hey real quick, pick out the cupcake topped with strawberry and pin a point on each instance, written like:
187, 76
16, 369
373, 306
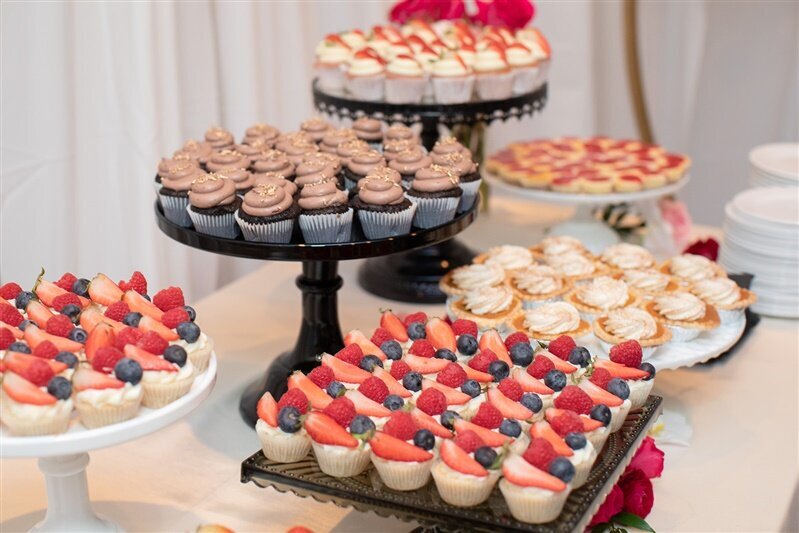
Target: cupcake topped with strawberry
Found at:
34, 400
467, 470
402, 452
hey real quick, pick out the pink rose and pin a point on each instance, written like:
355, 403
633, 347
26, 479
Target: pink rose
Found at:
676, 215
648, 459
513, 14
638, 494
426, 9
612, 506
708, 248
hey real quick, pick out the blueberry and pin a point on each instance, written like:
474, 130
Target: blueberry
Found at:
23, 299
471, 387
147, 297
485, 456
521, 353
576, 441
498, 369
618, 387
19, 347
362, 425
532, 401
68, 358
369, 362
443, 353
392, 349
188, 331
72, 311
448, 419
24, 324
393, 402
510, 427
412, 381
561, 468
648, 367
602, 413
78, 335
467, 344
192, 313
336, 389
580, 356
424, 439
288, 419
416, 331
176, 354
132, 319
81, 287
555, 380
128, 370
60, 387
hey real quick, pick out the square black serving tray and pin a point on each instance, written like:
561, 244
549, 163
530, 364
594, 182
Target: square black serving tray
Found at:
366, 492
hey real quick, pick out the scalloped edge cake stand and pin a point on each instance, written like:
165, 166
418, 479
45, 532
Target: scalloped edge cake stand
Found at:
63, 458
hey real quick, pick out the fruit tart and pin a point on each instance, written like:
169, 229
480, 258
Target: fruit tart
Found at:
507, 256
558, 245
401, 453
36, 402
538, 284
647, 282
488, 307
624, 256
279, 426
467, 278
467, 470
684, 314
600, 295
690, 268
339, 452
532, 493
102, 399
631, 323
550, 321
726, 296
577, 266
625, 364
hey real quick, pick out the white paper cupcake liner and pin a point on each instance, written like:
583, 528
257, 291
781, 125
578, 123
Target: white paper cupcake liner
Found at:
273, 232
543, 73
369, 88
175, 209
583, 469
200, 358
432, 212
462, 490
470, 190
157, 395
331, 78
223, 225
31, 427
494, 86
618, 415
334, 463
531, 504
524, 79
730, 316
95, 417
681, 334
287, 448
328, 228
399, 475
453, 90
598, 437
639, 392
380, 225
405, 90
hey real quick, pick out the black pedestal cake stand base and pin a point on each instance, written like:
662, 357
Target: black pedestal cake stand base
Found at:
413, 276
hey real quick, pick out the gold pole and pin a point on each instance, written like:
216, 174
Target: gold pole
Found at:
634, 71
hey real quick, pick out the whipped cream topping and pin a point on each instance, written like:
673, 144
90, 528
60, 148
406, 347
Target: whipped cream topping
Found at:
360, 65
572, 264
434, 178
604, 293
538, 279
625, 255
266, 200
476, 276
404, 66
103, 397
169, 376
490, 59
680, 305
648, 280
488, 300
519, 55
561, 244
718, 291
510, 257
631, 323
37, 413
450, 65
552, 318
211, 190
693, 267
332, 52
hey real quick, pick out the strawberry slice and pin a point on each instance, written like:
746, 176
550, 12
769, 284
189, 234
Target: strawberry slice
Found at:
394, 386
335, 38
481, 377
560, 364
542, 42
368, 347
267, 409
391, 323
86, 378
529, 383
600, 395
147, 360
92, 316
425, 421
543, 430
492, 340
589, 424
47, 291
440, 334
140, 304
392, 449
21, 390
457, 459
343, 371
101, 335
104, 291
508, 407
319, 399
19, 363
35, 336
39, 313
425, 365
15, 331
620, 371
453, 396
148, 323
366, 406
491, 438
325, 430
521, 473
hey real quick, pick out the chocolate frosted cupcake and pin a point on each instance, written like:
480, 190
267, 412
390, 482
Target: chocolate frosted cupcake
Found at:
298, 149
330, 160
360, 165
409, 161
165, 164
400, 132
314, 171
174, 191
291, 137
212, 203
325, 216
219, 138
466, 169
241, 178
265, 134
347, 149
252, 151
277, 179
381, 205
391, 149
267, 214
316, 128
199, 151
449, 145
227, 158
274, 161
436, 192
333, 138
369, 130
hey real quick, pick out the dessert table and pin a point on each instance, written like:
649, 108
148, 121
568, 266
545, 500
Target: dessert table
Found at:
739, 472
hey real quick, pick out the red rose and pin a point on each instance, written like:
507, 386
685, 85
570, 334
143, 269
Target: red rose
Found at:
708, 248
638, 494
513, 14
648, 459
612, 506
406, 10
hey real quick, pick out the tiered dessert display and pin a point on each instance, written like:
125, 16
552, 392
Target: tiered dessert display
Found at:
87, 364
445, 74
511, 431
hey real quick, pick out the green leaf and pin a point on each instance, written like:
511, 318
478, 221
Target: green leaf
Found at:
601, 528
631, 520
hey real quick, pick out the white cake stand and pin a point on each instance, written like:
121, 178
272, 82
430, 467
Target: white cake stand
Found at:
63, 458
594, 233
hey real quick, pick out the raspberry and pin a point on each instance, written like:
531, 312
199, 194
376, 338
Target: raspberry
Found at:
515, 338
62, 300
342, 410
399, 369
574, 399
600, 377
117, 311
540, 366
106, 358
463, 326
401, 425
128, 335
380, 336
469, 441
137, 283
10, 315
453, 375
432, 401
487, 416
627, 353
45, 350
6, 338
175, 316
66, 281
351, 354
153, 343
169, 298
481, 361
321, 376
374, 389
422, 348
511, 389
562, 347
59, 325
295, 398
9, 291
38, 373
567, 422
415, 317
540, 453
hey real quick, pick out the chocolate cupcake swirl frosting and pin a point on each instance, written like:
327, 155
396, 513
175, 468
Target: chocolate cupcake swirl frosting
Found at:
409, 161
261, 132
199, 151
287, 139
274, 161
314, 172
296, 150
316, 128
364, 162
368, 129
380, 188
347, 149
175, 162
460, 162
391, 149
227, 158
435, 178
321, 194
333, 138
240, 177
399, 132
266, 200
331, 160
219, 138
277, 179
211, 190
179, 176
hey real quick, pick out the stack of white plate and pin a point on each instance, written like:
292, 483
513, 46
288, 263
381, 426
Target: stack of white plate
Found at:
761, 237
774, 165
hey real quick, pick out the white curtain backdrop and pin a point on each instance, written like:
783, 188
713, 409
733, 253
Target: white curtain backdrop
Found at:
93, 94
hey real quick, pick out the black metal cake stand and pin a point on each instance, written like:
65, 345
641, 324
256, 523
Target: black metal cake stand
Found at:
319, 284
413, 276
